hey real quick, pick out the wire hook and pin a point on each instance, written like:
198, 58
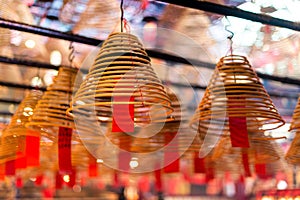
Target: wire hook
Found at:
71, 54
122, 14
230, 36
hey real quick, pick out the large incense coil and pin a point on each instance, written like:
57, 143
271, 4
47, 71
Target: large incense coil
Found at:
295, 123
99, 15
235, 91
260, 151
122, 69
293, 154
50, 111
21, 117
14, 136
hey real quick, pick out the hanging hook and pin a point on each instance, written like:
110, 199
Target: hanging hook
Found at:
230, 36
122, 14
71, 54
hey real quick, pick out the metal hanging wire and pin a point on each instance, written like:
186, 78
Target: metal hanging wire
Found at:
230, 36
122, 14
71, 54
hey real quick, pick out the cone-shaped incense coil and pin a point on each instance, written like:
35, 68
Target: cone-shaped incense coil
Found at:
14, 135
295, 123
50, 112
235, 91
260, 151
122, 70
21, 117
293, 154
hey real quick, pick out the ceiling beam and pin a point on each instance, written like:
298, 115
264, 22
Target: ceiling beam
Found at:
235, 12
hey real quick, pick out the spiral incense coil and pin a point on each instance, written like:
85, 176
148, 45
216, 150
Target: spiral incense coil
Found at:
100, 15
122, 69
293, 154
260, 151
14, 135
21, 117
50, 112
295, 123
235, 91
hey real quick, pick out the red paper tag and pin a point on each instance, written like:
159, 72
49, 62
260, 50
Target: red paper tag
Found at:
39, 180
158, 181
116, 179
21, 161
2, 172
261, 170
93, 166
246, 164
64, 149
210, 174
19, 182
199, 164
238, 125
33, 151
58, 181
10, 168
171, 155
123, 115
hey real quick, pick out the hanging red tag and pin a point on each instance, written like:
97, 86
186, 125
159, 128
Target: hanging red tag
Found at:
261, 171
2, 172
93, 166
238, 125
21, 162
64, 149
10, 168
210, 174
19, 182
33, 151
116, 179
199, 164
58, 181
158, 181
39, 180
171, 155
123, 114
246, 166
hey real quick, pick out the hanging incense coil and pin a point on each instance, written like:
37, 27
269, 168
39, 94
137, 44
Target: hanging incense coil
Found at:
121, 69
14, 136
235, 91
261, 150
295, 123
50, 112
100, 15
21, 117
293, 154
